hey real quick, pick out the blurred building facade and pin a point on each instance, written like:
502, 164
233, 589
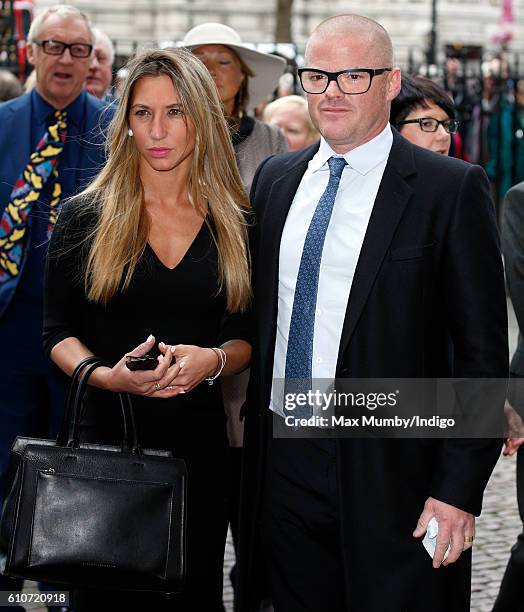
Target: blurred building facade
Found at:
477, 22
479, 53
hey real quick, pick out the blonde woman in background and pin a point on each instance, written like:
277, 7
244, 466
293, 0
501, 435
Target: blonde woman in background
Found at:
152, 258
30, 82
291, 115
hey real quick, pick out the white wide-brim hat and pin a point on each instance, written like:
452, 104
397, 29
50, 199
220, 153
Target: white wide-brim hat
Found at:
267, 69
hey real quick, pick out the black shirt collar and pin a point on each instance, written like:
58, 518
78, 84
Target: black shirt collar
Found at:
247, 124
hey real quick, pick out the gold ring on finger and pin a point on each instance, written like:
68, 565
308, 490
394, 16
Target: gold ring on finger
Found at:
468, 539
157, 386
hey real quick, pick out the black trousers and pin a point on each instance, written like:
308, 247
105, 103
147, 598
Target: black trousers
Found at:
300, 526
302, 544
511, 595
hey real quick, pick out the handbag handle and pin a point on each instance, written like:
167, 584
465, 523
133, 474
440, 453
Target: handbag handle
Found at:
78, 388
61, 439
129, 414
130, 438
77, 411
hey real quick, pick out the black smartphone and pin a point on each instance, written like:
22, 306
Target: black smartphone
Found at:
146, 362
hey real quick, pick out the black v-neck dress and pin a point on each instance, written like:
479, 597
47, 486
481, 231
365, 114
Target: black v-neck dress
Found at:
182, 305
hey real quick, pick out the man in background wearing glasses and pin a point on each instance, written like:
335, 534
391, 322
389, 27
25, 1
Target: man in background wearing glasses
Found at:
372, 258
51, 146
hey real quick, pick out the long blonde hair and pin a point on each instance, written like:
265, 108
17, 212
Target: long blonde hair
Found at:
297, 102
214, 185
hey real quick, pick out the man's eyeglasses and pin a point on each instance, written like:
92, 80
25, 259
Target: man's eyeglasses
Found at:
351, 81
57, 47
428, 124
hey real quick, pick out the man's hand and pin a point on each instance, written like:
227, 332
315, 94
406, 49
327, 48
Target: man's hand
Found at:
453, 525
514, 434
511, 446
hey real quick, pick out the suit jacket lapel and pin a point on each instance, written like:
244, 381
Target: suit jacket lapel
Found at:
392, 197
271, 222
16, 146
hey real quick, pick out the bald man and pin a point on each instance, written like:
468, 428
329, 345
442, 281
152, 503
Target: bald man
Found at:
372, 258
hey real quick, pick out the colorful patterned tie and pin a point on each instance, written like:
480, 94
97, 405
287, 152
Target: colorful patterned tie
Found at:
41, 168
299, 354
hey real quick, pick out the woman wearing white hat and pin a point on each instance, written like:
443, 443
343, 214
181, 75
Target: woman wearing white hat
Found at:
243, 76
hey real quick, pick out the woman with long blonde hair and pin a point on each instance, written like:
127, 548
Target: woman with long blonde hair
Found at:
152, 259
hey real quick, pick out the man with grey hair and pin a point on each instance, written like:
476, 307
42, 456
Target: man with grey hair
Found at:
10, 86
372, 259
51, 143
100, 75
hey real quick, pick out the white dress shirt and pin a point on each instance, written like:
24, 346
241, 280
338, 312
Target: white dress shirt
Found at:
345, 234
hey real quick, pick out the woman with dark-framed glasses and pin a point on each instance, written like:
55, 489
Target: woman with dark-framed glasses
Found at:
424, 113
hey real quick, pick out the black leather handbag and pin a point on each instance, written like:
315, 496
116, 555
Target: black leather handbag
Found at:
95, 515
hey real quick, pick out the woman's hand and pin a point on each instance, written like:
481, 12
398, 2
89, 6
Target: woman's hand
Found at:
120, 378
193, 365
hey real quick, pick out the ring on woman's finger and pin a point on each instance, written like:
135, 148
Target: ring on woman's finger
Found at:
157, 386
170, 387
182, 364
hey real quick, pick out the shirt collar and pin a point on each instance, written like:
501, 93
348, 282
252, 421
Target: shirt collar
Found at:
43, 110
363, 158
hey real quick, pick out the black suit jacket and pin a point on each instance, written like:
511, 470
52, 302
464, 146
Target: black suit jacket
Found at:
513, 248
429, 277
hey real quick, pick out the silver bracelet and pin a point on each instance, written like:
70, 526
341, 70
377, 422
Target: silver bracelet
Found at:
222, 358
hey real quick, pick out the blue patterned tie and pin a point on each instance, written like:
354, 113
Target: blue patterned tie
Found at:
299, 354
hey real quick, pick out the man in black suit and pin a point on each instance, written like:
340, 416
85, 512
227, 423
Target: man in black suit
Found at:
511, 595
407, 283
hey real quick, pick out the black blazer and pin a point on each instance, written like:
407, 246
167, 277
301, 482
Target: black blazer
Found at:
513, 248
429, 277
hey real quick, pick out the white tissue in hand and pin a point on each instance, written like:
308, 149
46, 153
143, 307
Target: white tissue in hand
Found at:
430, 539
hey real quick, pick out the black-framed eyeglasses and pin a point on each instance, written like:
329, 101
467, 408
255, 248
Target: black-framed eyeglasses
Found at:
351, 81
428, 124
57, 47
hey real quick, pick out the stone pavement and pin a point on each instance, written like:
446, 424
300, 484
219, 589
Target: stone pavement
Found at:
497, 530
229, 560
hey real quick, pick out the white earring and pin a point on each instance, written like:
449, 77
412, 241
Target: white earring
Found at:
129, 132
